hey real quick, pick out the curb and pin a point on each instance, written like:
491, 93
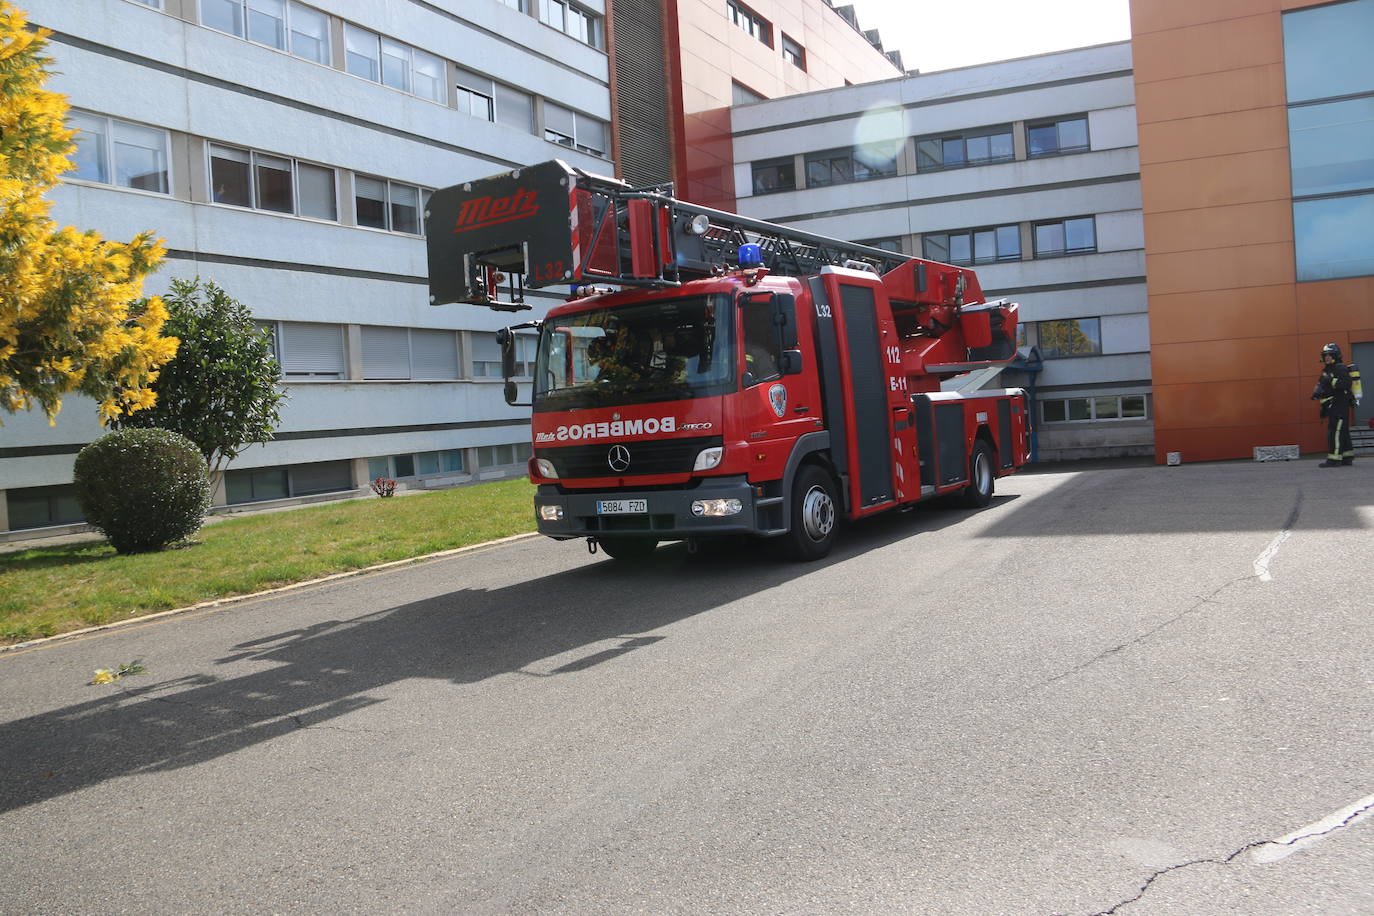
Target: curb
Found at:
234, 599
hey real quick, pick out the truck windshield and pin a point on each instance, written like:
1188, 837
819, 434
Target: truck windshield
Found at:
664, 350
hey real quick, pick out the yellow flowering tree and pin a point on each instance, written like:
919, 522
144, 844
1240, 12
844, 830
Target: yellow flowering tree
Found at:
71, 314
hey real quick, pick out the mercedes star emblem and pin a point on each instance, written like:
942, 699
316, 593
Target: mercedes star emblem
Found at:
618, 458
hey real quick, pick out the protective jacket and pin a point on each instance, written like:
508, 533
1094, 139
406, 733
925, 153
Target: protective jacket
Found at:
1333, 391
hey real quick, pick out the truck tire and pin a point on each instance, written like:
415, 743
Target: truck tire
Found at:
978, 493
627, 548
814, 514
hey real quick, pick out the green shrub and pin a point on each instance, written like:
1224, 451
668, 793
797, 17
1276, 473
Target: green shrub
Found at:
143, 488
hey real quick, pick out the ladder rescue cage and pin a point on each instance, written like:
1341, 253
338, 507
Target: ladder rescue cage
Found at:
551, 224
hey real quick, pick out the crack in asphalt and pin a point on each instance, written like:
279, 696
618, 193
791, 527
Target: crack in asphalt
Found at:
1289, 523
1142, 637
1227, 860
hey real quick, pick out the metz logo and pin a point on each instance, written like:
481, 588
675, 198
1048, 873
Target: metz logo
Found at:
488, 211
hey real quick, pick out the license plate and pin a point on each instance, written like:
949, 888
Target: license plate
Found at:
622, 506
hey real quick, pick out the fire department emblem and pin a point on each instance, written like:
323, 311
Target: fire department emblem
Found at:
618, 458
777, 396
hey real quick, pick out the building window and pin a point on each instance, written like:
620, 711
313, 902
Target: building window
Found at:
486, 356
1061, 237
476, 95
973, 147
793, 53
750, 21
515, 4
499, 456
844, 166
514, 108
120, 153
293, 27
247, 178
390, 205
572, 20
775, 175
574, 129
392, 63
1070, 337
307, 349
1078, 410
1331, 138
155, 4
973, 246
741, 94
258, 484
420, 464
409, 353
1051, 138
893, 244
39, 507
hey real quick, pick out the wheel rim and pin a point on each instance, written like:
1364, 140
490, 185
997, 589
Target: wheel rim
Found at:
982, 472
818, 513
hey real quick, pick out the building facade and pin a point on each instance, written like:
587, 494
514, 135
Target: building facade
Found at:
285, 150
681, 64
1026, 169
1257, 172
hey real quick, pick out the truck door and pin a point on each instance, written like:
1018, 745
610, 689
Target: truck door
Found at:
864, 375
780, 401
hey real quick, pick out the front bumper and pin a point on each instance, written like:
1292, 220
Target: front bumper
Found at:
669, 517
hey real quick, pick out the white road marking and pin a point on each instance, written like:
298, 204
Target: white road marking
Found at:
1303, 837
1262, 561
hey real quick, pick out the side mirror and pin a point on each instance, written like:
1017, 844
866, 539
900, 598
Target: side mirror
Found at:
506, 340
511, 392
791, 362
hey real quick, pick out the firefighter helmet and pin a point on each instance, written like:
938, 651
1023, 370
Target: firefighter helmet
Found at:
1332, 351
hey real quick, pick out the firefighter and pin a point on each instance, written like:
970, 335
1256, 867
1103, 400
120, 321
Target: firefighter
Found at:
1334, 393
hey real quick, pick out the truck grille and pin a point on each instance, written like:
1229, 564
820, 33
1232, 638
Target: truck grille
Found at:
661, 456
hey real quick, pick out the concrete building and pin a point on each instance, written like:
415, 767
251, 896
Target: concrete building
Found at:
285, 151
681, 64
1257, 174
1026, 169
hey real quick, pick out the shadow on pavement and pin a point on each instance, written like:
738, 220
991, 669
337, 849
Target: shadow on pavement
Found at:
317, 674
1198, 498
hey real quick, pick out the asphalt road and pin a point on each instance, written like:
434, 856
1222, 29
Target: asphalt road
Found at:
1137, 690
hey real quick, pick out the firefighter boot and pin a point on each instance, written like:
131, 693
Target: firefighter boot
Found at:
1347, 462
1332, 463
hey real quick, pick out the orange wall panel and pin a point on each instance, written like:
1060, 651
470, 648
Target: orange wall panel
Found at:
1209, 444
1347, 303
1208, 48
1221, 314
1218, 361
1208, 93
1217, 181
1214, 135
1160, 15
1216, 405
1243, 224
1219, 268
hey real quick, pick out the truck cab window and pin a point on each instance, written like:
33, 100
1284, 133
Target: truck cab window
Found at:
762, 352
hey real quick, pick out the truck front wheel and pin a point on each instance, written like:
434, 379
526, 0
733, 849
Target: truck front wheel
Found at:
814, 515
978, 493
627, 548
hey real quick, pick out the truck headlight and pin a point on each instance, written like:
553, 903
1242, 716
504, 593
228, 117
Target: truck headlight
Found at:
545, 468
708, 458
551, 513
716, 508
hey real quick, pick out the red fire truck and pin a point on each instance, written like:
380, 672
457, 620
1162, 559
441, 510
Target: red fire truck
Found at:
715, 375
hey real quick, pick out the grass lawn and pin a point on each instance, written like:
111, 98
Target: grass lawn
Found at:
45, 591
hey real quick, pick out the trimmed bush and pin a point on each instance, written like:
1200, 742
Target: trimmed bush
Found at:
143, 488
